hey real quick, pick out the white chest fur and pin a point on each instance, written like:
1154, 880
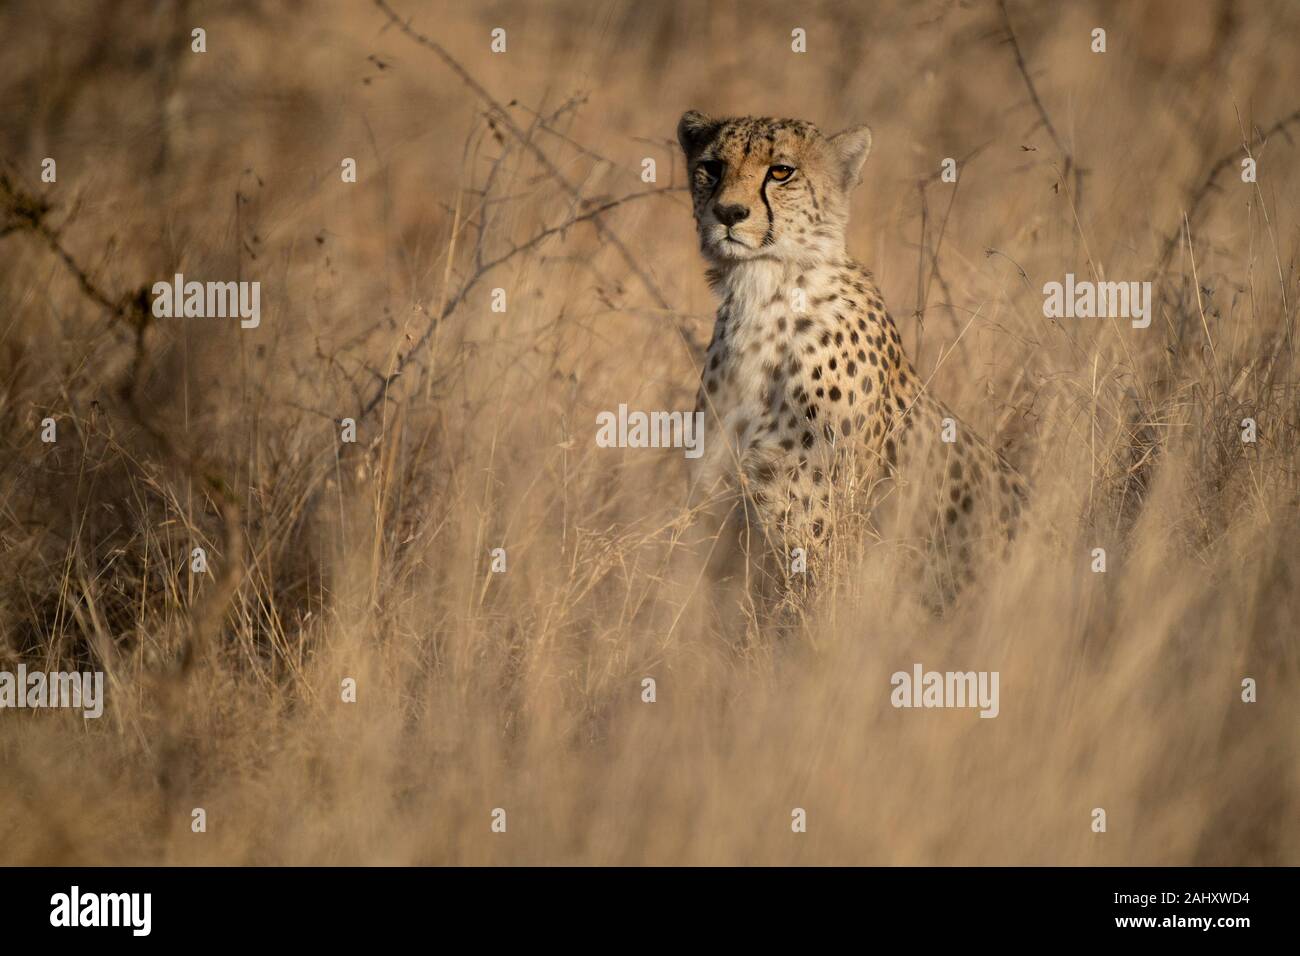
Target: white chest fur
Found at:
768, 308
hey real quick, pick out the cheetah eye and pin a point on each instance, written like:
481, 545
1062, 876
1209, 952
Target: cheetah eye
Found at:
712, 168
781, 173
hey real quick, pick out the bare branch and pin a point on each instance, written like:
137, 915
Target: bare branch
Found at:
482, 269
513, 128
1207, 185
1070, 167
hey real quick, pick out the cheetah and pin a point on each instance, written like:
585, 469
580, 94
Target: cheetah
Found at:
816, 420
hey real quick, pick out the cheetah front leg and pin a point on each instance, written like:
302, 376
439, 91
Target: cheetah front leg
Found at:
792, 510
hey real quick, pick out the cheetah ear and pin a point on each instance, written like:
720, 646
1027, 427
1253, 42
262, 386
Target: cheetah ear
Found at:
695, 129
850, 148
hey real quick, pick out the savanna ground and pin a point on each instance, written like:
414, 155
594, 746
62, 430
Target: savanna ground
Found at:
476, 430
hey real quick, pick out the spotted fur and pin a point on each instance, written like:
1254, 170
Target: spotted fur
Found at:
816, 416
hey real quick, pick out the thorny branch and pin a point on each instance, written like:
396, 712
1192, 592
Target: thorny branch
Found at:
1070, 166
1208, 184
482, 269
1193, 208
498, 115
24, 212
499, 112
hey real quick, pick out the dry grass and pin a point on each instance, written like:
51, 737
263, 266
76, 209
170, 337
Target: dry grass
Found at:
522, 690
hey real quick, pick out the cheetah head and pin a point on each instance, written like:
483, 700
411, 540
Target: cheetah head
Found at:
770, 188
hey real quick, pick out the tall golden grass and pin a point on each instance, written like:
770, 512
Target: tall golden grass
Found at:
523, 690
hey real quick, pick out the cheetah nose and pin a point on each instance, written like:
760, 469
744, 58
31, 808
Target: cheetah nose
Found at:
730, 215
